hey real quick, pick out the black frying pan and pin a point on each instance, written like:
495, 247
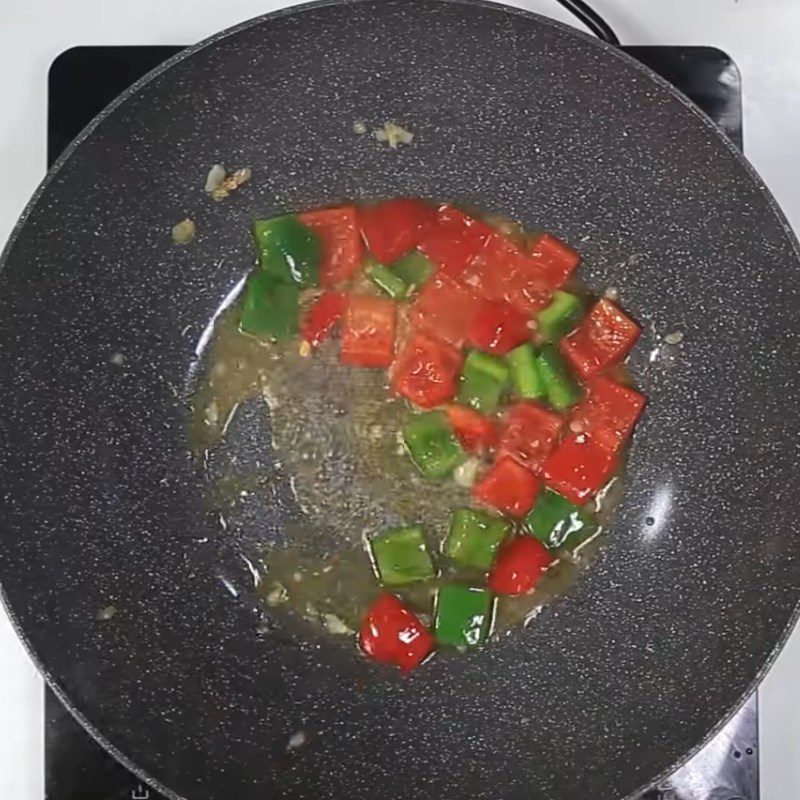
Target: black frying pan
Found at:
695, 589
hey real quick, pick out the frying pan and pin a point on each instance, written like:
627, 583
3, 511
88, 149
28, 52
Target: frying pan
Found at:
191, 686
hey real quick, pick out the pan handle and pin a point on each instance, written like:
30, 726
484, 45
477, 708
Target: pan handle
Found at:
592, 20
716, 794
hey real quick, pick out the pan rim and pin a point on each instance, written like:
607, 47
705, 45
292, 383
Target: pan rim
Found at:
298, 9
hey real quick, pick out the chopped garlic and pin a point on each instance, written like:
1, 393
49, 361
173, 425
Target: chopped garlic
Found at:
336, 625
612, 293
184, 232
117, 359
230, 183
393, 135
215, 177
304, 349
465, 474
473, 280
107, 613
277, 596
297, 740
674, 338
212, 413
359, 127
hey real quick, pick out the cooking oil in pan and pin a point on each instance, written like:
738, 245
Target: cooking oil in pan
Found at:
334, 443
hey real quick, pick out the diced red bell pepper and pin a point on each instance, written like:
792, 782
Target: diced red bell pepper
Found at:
393, 227
426, 371
578, 468
520, 563
498, 328
342, 249
490, 270
393, 634
528, 434
444, 309
501, 271
453, 239
508, 487
528, 289
607, 413
368, 331
476, 432
558, 259
321, 317
602, 340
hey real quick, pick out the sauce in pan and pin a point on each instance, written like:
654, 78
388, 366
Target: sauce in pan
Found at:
340, 466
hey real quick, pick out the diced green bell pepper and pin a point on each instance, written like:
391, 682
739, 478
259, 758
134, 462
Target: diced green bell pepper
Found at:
560, 317
383, 277
556, 522
432, 444
463, 615
475, 538
562, 391
525, 373
401, 556
413, 269
288, 251
268, 308
483, 380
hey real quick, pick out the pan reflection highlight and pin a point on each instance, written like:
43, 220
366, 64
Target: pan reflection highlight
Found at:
658, 512
208, 331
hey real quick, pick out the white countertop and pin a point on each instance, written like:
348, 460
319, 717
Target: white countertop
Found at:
761, 36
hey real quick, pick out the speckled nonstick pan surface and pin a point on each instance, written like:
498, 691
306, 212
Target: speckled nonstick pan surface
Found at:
660, 639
